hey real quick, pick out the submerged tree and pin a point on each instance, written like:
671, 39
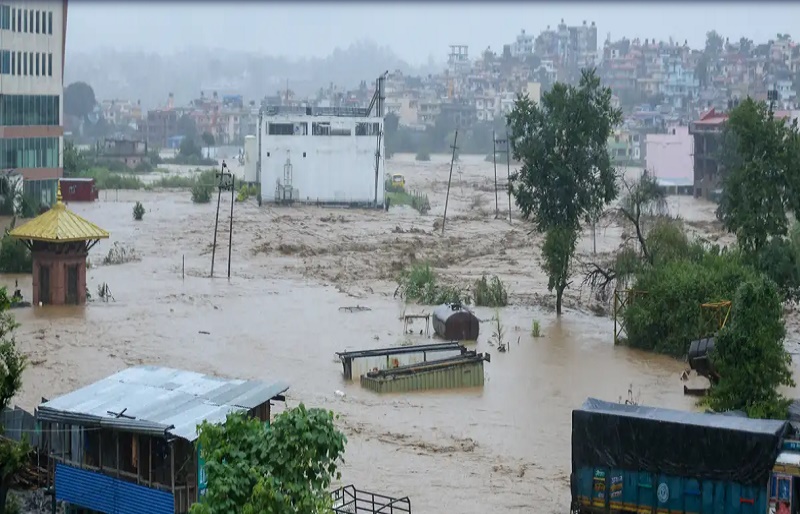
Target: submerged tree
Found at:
12, 455
566, 176
749, 354
281, 468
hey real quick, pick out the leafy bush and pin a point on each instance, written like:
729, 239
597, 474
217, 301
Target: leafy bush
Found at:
143, 167
14, 256
489, 292
138, 211
420, 284
668, 316
204, 187
423, 156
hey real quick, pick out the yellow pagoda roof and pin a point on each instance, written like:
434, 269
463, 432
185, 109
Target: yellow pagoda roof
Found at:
59, 225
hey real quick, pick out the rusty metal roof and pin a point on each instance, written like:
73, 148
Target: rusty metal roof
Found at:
156, 400
59, 225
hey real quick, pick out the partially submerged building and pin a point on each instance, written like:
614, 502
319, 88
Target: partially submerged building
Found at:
707, 141
322, 155
128, 440
59, 241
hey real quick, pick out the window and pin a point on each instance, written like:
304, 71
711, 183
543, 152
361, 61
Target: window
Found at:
13, 20
13, 63
72, 189
25, 62
37, 64
19, 63
19, 20
30, 21
38, 15
5, 17
5, 62
26, 110
25, 19
36, 152
49, 65
50, 23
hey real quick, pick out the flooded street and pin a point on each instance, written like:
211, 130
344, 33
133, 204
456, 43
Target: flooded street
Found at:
502, 449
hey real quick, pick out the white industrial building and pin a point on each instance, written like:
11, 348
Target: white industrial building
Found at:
321, 156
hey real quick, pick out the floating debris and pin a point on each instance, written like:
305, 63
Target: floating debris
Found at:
357, 308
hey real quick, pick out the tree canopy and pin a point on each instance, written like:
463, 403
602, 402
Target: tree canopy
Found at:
761, 171
566, 175
12, 363
282, 468
79, 99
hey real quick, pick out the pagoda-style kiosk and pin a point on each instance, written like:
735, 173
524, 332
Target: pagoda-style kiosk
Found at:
59, 241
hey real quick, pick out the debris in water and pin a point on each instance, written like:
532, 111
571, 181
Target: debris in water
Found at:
204, 332
339, 393
357, 308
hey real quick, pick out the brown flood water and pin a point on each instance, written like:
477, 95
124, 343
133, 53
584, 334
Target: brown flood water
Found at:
502, 449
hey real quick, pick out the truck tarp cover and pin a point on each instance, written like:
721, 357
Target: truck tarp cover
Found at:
677, 443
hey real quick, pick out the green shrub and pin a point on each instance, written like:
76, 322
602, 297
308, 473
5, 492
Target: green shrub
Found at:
489, 292
391, 187
14, 256
138, 211
668, 316
143, 167
204, 187
423, 156
420, 284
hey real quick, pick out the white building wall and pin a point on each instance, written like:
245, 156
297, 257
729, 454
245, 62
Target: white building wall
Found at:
250, 158
325, 168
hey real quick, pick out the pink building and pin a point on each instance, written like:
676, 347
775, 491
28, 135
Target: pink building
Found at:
669, 156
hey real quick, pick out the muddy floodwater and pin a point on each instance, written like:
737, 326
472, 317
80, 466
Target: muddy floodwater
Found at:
502, 449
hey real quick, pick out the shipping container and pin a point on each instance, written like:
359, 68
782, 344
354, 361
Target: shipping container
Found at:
457, 372
78, 190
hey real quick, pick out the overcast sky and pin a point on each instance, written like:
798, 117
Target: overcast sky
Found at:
414, 31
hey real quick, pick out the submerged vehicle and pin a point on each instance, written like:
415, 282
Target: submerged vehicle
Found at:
630, 459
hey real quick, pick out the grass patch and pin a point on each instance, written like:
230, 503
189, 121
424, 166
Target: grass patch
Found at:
417, 201
536, 328
489, 292
107, 179
420, 284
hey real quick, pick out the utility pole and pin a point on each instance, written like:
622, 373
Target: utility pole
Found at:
494, 159
508, 175
447, 198
225, 181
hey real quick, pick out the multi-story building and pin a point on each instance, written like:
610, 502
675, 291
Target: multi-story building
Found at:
707, 139
523, 45
32, 36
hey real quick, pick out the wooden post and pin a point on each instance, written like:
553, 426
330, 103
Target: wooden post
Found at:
494, 159
138, 460
508, 174
150, 461
172, 467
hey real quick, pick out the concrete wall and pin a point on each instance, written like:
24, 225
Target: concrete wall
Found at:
250, 158
43, 43
669, 156
325, 168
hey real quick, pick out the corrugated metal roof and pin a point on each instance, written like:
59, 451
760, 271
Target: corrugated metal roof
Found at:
59, 225
161, 400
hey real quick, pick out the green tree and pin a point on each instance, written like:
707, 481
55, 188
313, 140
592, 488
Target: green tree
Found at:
566, 176
187, 127
714, 43
759, 156
74, 160
189, 148
79, 99
208, 139
391, 125
749, 354
701, 70
12, 363
282, 468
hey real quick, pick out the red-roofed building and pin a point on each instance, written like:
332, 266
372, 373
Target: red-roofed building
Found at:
707, 138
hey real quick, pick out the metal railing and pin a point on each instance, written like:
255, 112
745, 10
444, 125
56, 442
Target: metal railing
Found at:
349, 500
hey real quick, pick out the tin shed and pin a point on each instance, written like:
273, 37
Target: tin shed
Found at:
455, 322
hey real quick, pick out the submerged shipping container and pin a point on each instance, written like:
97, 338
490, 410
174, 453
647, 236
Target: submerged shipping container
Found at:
357, 363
